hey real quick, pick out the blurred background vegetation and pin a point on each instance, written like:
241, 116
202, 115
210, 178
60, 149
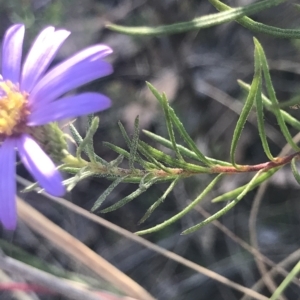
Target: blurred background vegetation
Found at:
198, 71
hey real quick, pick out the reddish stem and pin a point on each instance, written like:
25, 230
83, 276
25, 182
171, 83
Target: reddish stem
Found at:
277, 162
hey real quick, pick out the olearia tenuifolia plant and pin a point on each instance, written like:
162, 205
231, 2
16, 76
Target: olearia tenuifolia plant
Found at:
148, 166
31, 100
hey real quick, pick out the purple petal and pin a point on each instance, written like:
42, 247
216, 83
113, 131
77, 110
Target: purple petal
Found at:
68, 107
40, 165
41, 55
8, 213
76, 71
12, 53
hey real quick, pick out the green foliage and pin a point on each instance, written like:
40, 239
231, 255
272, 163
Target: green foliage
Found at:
285, 283
272, 96
259, 27
156, 166
184, 211
259, 104
228, 14
256, 84
147, 165
229, 206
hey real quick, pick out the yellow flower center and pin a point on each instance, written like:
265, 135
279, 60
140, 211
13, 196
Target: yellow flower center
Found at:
13, 109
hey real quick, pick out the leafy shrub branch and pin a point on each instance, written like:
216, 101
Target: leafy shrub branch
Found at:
148, 165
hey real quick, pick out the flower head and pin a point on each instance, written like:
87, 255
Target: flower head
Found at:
32, 96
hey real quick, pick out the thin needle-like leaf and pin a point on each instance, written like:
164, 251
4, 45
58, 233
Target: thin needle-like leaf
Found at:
257, 26
144, 150
75, 134
260, 108
78, 139
285, 283
295, 170
107, 192
88, 140
123, 152
116, 162
198, 23
137, 157
90, 119
184, 211
229, 206
134, 143
159, 201
189, 141
183, 150
166, 109
245, 113
130, 197
82, 174
272, 96
158, 155
268, 104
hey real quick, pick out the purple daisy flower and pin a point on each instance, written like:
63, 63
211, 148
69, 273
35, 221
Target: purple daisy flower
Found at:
30, 96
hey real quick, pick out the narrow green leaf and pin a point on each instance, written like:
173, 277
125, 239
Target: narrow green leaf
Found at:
75, 134
272, 96
268, 104
197, 23
90, 143
158, 155
90, 119
155, 92
159, 201
117, 149
245, 113
123, 152
233, 194
166, 108
78, 139
295, 170
107, 192
87, 142
145, 180
116, 162
184, 151
285, 283
259, 27
172, 162
71, 170
260, 108
189, 141
134, 144
229, 206
100, 160
130, 197
137, 157
124, 134
184, 211
148, 153
82, 174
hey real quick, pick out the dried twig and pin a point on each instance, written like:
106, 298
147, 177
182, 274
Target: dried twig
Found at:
70, 245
